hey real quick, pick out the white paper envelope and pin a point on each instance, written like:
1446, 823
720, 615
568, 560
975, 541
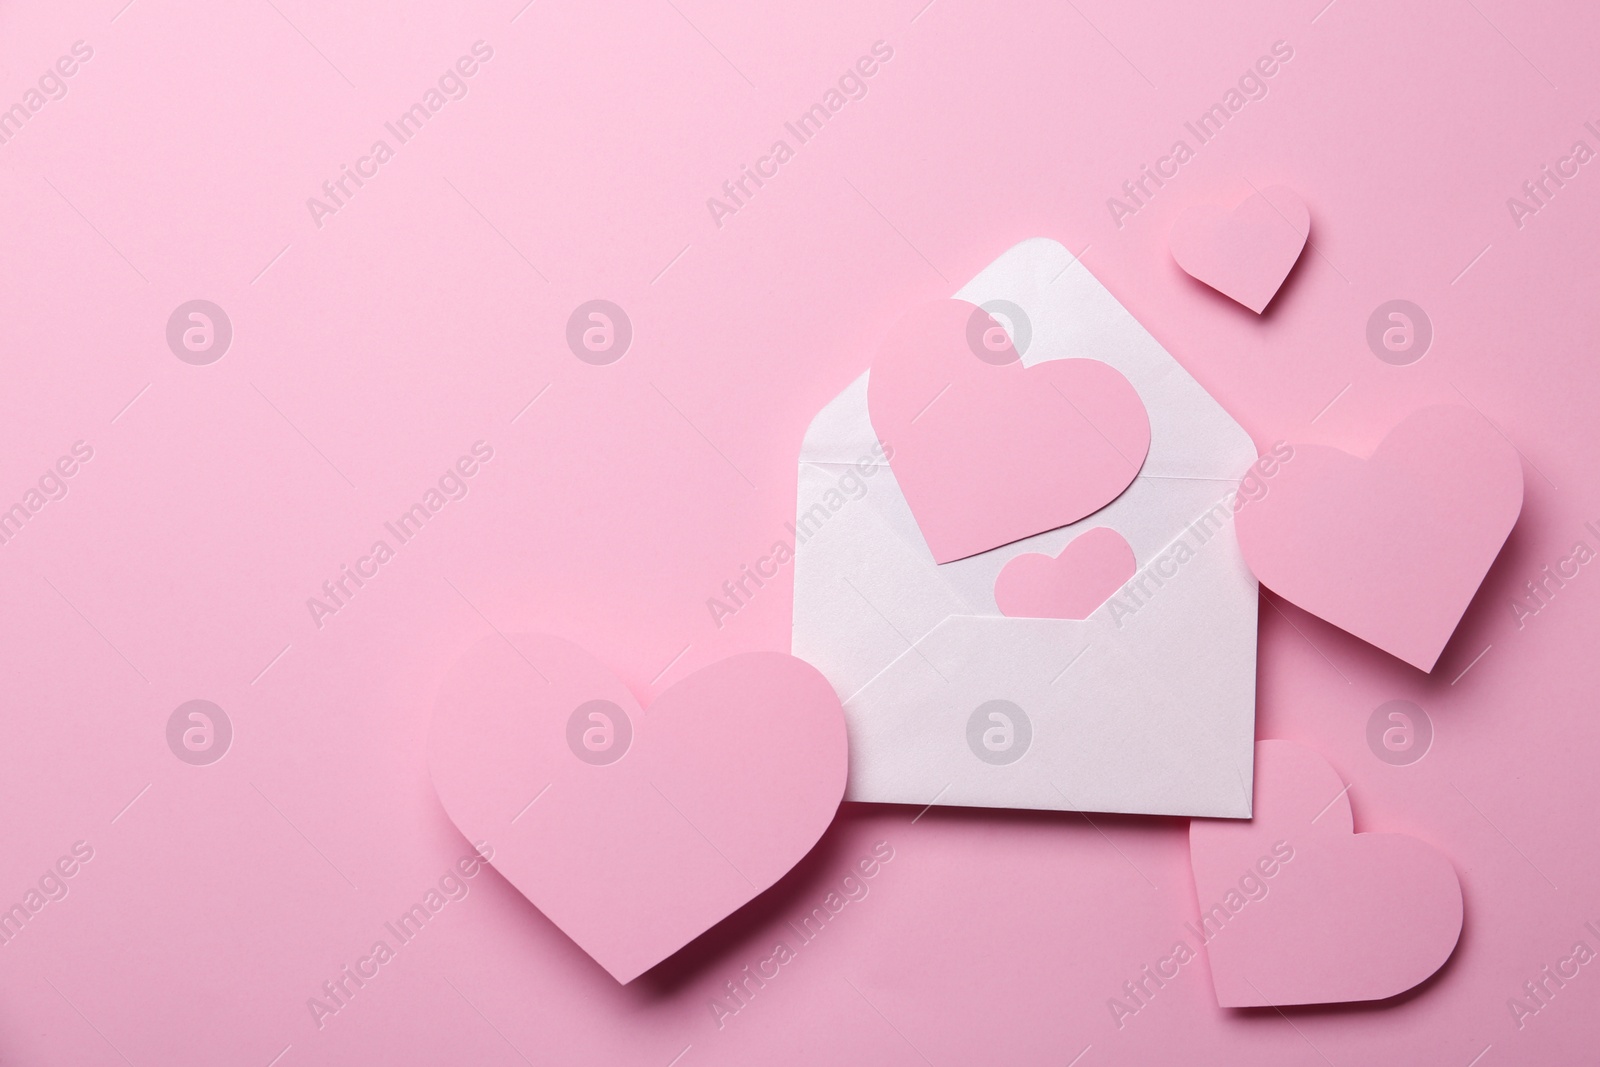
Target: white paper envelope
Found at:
1147, 706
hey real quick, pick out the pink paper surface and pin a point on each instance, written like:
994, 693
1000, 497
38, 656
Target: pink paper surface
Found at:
988, 451
1297, 908
1247, 251
1070, 584
370, 354
636, 830
1391, 547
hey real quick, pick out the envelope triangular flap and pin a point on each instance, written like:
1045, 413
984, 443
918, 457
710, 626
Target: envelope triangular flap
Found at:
841, 433
1071, 315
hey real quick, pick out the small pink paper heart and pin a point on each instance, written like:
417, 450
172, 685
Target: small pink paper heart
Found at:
1244, 254
632, 830
1091, 567
1297, 908
987, 452
1392, 548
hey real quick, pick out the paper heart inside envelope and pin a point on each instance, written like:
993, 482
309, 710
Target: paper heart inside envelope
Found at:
632, 830
1297, 908
1391, 548
1246, 253
1069, 585
987, 451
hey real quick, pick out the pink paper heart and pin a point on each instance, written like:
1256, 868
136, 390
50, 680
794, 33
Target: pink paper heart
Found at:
1392, 548
987, 452
1244, 254
1091, 567
1297, 908
635, 831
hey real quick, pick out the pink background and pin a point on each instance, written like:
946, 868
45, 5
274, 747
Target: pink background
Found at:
370, 353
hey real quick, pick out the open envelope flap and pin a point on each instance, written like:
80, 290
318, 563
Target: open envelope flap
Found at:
1136, 709
1070, 314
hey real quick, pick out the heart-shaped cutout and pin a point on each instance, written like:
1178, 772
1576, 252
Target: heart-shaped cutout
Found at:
1298, 908
1244, 254
1391, 548
988, 452
636, 831
1085, 574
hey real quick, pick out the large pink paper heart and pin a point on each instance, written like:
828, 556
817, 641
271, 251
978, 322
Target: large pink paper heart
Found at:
1298, 908
1391, 548
635, 831
1244, 254
1092, 566
987, 452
